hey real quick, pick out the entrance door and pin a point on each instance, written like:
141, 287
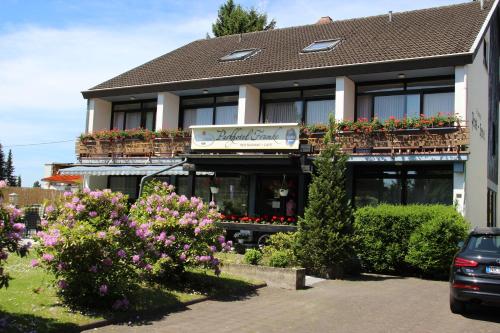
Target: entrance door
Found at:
268, 199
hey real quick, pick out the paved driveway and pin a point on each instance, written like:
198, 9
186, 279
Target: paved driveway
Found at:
374, 304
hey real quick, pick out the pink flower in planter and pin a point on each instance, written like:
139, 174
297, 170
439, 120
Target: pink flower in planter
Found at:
136, 258
93, 214
44, 223
49, 209
197, 231
101, 234
35, 263
18, 227
187, 247
80, 208
121, 253
182, 257
75, 200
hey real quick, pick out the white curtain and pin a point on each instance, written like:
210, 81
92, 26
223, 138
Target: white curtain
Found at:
387, 106
226, 115
441, 102
201, 116
364, 107
118, 118
133, 120
285, 112
319, 111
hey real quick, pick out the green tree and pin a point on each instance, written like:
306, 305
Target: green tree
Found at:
324, 236
37, 184
234, 19
19, 182
2, 163
9, 170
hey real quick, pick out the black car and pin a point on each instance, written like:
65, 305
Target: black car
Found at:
475, 273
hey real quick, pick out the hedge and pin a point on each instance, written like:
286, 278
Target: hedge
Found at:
383, 236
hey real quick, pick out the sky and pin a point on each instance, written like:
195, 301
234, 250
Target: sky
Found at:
51, 50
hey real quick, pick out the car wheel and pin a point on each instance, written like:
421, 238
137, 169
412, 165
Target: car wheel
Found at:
456, 306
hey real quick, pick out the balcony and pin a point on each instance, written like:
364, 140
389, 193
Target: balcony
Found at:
439, 140
131, 144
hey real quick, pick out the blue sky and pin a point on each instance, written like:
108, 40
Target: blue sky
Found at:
53, 49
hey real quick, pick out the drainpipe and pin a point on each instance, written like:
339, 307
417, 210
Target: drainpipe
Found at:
143, 179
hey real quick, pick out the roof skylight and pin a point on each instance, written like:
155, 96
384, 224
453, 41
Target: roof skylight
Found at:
321, 45
239, 55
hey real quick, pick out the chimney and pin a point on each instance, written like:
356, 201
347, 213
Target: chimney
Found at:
325, 20
390, 16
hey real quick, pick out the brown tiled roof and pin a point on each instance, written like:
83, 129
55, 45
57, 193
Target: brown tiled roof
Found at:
414, 34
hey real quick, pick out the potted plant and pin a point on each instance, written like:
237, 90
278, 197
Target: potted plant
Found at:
214, 185
241, 237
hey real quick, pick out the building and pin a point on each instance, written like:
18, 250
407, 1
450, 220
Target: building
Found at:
248, 111
55, 181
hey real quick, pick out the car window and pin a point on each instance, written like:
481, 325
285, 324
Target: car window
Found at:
484, 243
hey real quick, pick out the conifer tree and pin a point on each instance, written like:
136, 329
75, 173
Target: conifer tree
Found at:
9, 170
234, 19
2, 163
324, 236
19, 181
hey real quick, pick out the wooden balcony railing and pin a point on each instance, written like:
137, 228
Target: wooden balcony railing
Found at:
157, 147
444, 140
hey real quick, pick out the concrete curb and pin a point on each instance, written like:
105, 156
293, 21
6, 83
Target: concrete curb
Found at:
106, 322
286, 278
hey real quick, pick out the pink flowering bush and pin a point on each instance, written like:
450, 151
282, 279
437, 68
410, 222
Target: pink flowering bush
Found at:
11, 231
89, 244
179, 230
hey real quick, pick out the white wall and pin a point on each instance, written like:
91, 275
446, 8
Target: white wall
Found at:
98, 115
345, 95
461, 93
248, 105
167, 111
476, 181
459, 187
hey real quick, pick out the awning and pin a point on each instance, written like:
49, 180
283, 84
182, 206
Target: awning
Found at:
67, 179
127, 170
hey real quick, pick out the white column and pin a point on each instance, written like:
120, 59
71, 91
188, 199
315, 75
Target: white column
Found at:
248, 105
98, 115
345, 94
461, 93
459, 187
167, 111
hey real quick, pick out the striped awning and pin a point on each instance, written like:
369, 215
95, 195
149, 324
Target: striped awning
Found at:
127, 170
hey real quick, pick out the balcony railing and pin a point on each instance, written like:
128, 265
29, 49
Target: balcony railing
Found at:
439, 140
442, 140
130, 148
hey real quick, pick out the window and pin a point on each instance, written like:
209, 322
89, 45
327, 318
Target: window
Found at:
209, 110
484, 243
491, 208
431, 184
322, 45
239, 55
128, 185
408, 99
309, 105
130, 115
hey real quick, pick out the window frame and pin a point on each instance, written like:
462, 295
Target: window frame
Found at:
301, 98
404, 91
402, 175
336, 42
142, 110
251, 52
212, 105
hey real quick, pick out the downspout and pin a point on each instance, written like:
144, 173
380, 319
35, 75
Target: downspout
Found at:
143, 179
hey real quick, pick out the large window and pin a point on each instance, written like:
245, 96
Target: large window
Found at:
209, 110
128, 185
408, 99
309, 106
431, 184
137, 114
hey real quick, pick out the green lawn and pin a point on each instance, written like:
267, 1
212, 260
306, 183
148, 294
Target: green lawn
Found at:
30, 302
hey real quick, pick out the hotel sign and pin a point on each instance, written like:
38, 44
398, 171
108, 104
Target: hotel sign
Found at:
246, 137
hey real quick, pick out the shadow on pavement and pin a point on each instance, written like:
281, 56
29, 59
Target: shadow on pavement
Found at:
372, 277
482, 313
